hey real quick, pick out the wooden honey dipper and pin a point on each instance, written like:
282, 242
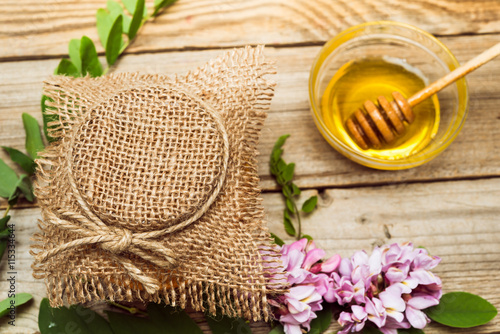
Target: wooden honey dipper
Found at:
384, 122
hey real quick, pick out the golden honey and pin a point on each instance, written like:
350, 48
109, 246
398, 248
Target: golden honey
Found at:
366, 79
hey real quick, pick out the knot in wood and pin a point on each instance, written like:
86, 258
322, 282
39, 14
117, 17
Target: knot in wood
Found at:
121, 241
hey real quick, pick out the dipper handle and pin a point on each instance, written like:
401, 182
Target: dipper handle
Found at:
456, 74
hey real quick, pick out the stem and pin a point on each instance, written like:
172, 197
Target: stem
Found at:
7, 211
132, 310
297, 213
127, 43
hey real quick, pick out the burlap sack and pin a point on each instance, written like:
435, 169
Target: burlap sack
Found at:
151, 191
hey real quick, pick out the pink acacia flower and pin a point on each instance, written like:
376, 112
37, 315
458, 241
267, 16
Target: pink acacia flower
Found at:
309, 282
388, 289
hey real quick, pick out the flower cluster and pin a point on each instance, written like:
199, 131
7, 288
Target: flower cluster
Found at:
309, 281
389, 288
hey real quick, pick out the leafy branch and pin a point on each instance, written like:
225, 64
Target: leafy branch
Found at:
157, 318
283, 174
117, 26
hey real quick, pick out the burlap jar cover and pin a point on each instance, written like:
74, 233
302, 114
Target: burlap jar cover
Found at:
151, 191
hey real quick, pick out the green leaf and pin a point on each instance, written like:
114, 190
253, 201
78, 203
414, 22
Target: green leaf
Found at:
277, 240
276, 155
273, 169
410, 331
296, 190
310, 204
139, 11
289, 205
116, 9
3, 227
8, 180
159, 4
88, 55
289, 228
114, 41
12, 200
34, 142
225, 325
131, 6
277, 330
59, 320
4, 234
104, 22
74, 54
172, 320
47, 118
323, 320
126, 324
287, 192
66, 67
3, 247
281, 165
307, 236
462, 310
26, 163
281, 141
25, 186
110, 31
3, 222
288, 172
17, 300
94, 321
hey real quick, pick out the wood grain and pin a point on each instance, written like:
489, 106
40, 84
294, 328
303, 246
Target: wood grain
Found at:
449, 205
457, 221
36, 30
474, 154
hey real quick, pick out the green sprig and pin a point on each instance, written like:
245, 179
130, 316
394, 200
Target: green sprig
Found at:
284, 174
116, 29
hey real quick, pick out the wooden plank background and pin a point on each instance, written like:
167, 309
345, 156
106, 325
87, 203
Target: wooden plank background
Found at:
450, 205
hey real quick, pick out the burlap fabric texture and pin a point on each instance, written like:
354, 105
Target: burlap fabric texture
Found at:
151, 191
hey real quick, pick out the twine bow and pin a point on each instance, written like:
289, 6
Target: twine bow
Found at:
116, 241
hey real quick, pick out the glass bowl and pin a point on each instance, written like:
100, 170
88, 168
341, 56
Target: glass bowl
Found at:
402, 44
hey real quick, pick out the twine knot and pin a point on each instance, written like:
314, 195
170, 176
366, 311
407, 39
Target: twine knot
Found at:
121, 241
116, 241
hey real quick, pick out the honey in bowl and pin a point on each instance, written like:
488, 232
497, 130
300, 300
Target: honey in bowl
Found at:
367, 79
